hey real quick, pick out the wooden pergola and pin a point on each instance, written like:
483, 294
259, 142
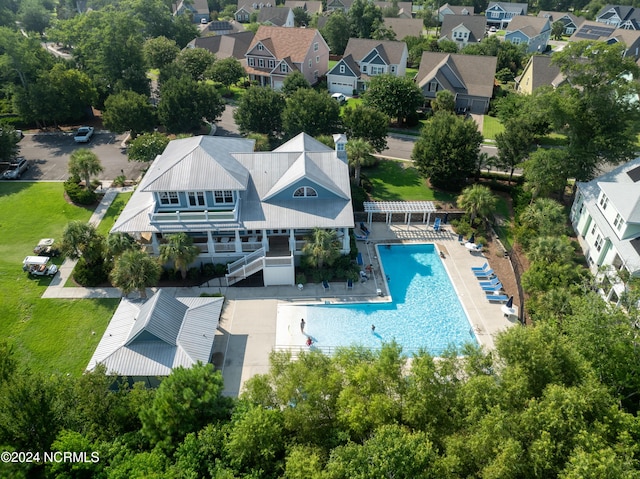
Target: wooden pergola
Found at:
406, 207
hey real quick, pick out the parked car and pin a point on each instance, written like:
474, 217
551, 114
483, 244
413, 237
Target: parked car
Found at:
39, 266
16, 168
84, 134
492, 30
339, 97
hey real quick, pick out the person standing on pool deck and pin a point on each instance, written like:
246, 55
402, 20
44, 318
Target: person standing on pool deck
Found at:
302, 325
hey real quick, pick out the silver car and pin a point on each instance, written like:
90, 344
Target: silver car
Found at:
16, 168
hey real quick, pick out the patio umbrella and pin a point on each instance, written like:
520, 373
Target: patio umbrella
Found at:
510, 303
473, 238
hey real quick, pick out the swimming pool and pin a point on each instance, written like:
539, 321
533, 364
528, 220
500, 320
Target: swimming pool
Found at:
425, 311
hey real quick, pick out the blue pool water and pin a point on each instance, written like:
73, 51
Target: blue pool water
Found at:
425, 312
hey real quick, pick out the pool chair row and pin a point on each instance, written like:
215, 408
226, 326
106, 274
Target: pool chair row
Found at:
483, 271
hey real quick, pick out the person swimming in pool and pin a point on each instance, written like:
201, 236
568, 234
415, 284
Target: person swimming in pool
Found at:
373, 328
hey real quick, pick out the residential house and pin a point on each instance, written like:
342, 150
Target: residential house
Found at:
532, 31
247, 7
620, 16
198, 10
404, 8
276, 16
364, 58
447, 9
539, 71
342, 5
311, 7
463, 29
253, 208
570, 21
499, 14
276, 52
220, 27
146, 339
606, 217
404, 27
224, 46
595, 31
469, 77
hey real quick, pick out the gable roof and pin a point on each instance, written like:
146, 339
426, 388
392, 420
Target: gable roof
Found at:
476, 24
469, 74
456, 9
530, 26
275, 15
624, 12
286, 42
152, 337
404, 27
592, 31
198, 163
517, 8
311, 6
224, 46
199, 6
350, 63
390, 51
543, 72
566, 17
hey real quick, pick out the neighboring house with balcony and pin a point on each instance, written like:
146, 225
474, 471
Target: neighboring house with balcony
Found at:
532, 31
606, 217
499, 14
276, 52
595, 31
469, 77
253, 208
447, 9
569, 21
539, 71
198, 10
276, 16
364, 58
620, 16
463, 29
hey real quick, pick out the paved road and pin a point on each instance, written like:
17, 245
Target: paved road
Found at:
49, 155
401, 146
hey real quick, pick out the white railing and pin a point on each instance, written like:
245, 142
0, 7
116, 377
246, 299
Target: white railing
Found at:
245, 260
180, 216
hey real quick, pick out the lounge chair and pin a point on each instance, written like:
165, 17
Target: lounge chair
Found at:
349, 283
325, 284
436, 225
491, 282
364, 229
484, 274
461, 239
359, 259
498, 298
361, 237
484, 267
492, 289
473, 247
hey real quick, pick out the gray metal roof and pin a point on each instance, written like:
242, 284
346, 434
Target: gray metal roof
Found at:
153, 337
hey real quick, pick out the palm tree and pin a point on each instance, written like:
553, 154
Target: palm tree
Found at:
180, 249
84, 163
359, 153
544, 215
551, 248
117, 243
80, 239
322, 247
135, 270
477, 200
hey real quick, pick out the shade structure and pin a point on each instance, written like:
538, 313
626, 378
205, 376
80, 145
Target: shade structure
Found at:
510, 303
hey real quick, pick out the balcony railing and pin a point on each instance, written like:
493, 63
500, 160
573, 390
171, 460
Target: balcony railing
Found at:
193, 216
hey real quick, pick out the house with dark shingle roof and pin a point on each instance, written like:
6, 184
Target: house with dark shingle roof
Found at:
247, 7
447, 9
569, 21
251, 209
499, 14
276, 52
532, 31
197, 9
343, 5
469, 77
595, 31
404, 27
311, 7
620, 16
276, 16
463, 29
364, 58
539, 71
224, 46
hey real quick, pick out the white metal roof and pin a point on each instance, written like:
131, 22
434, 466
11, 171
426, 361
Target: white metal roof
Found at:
399, 207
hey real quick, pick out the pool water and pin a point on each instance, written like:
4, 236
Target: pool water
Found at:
425, 312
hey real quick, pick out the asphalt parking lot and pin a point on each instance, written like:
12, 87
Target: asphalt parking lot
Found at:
49, 153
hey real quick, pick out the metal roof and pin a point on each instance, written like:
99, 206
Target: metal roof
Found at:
399, 207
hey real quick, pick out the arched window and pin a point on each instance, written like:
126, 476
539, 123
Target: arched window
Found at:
305, 192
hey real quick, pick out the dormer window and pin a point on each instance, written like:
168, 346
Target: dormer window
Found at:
305, 192
260, 46
283, 67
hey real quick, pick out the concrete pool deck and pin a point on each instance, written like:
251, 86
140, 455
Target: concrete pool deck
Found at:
247, 329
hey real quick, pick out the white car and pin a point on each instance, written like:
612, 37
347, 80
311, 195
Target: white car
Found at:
339, 97
492, 30
84, 134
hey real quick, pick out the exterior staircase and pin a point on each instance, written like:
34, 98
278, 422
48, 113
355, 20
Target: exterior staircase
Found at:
245, 267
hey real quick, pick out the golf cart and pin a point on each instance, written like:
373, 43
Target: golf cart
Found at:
39, 266
46, 248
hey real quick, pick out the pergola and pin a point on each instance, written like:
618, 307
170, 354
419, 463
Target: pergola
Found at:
406, 207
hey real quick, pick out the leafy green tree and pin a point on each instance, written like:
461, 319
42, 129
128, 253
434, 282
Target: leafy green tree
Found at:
444, 101
34, 16
382, 32
180, 250
195, 62
337, 32
8, 142
84, 163
312, 112
322, 247
447, 150
396, 97
135, 270
547, 249
147, 146
303, 462
477, 200
514, 144
546, 172
557, 29
227, 71
293, 82
300, 17
184, 103
128, 111
185, 402
160, 51
8, 364
260, 111
363, 16
262, 142
543, 217
74, 441
359, 154
23, 58
366, 123
80, 239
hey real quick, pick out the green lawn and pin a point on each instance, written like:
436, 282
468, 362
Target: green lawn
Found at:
110, 217
411, 72
49, 335
491, 127
399, 181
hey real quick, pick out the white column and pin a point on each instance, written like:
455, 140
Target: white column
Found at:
346, 240
238, 242
154, 243
292, 241
211, 246
265, 241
